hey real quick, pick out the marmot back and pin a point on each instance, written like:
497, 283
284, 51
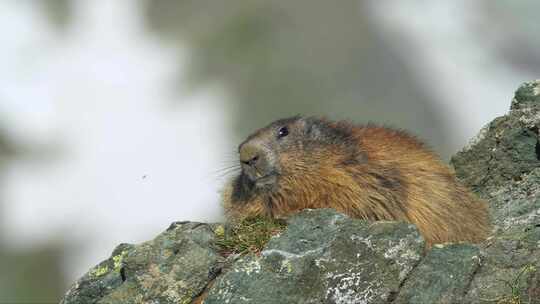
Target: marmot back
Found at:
366, 172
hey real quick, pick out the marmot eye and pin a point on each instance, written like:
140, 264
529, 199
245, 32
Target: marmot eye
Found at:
284, 131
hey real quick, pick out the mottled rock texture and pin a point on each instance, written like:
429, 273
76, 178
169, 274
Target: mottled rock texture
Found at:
503, 166
326, 257
172, 268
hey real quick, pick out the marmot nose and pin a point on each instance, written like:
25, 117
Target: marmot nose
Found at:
249, 155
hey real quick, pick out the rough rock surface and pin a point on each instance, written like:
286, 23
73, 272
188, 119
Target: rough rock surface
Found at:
172, 268
443, 276
326, 257
503, 166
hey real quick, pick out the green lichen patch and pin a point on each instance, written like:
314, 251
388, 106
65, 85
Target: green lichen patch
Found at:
117, 261
219, 231
99, 271
248, 235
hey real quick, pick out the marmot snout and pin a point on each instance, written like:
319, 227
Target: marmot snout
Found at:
367, 172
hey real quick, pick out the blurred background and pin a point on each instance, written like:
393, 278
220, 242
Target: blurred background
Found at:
118, 117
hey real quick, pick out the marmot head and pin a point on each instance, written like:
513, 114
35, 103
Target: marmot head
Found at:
292, 147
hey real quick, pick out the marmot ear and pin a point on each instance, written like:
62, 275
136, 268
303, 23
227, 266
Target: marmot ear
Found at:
312, 127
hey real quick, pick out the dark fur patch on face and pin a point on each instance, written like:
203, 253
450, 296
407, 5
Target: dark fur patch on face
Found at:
274, 125
242, 188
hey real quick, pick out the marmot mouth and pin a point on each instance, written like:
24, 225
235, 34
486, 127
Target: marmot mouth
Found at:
268, 179
260, 178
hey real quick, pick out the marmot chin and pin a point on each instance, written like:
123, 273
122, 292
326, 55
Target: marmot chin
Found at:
367, 172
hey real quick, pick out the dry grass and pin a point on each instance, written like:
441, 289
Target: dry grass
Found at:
249, 235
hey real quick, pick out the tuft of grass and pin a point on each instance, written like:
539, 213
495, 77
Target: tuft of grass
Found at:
515, 295
249, 235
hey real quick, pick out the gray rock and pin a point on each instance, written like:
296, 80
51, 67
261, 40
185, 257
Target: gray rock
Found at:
511, 258
527, 96
326, 257
506, 149
173, 268
443, 276
503, 166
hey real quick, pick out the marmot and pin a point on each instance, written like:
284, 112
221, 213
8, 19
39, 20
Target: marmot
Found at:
368, 172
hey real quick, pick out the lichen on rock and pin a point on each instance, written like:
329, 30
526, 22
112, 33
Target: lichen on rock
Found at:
172, 268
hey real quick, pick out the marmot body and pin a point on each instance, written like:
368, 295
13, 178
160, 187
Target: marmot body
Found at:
366, 172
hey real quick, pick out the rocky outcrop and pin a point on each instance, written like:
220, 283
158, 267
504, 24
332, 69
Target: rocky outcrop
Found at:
326, 257
173, 268
502, 165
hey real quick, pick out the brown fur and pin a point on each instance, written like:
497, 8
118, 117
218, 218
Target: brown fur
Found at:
366, 172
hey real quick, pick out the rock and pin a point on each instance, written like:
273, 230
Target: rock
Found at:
443, 276
527, 96
173, 268
506, 148
503, 166
511, 259
326, 257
